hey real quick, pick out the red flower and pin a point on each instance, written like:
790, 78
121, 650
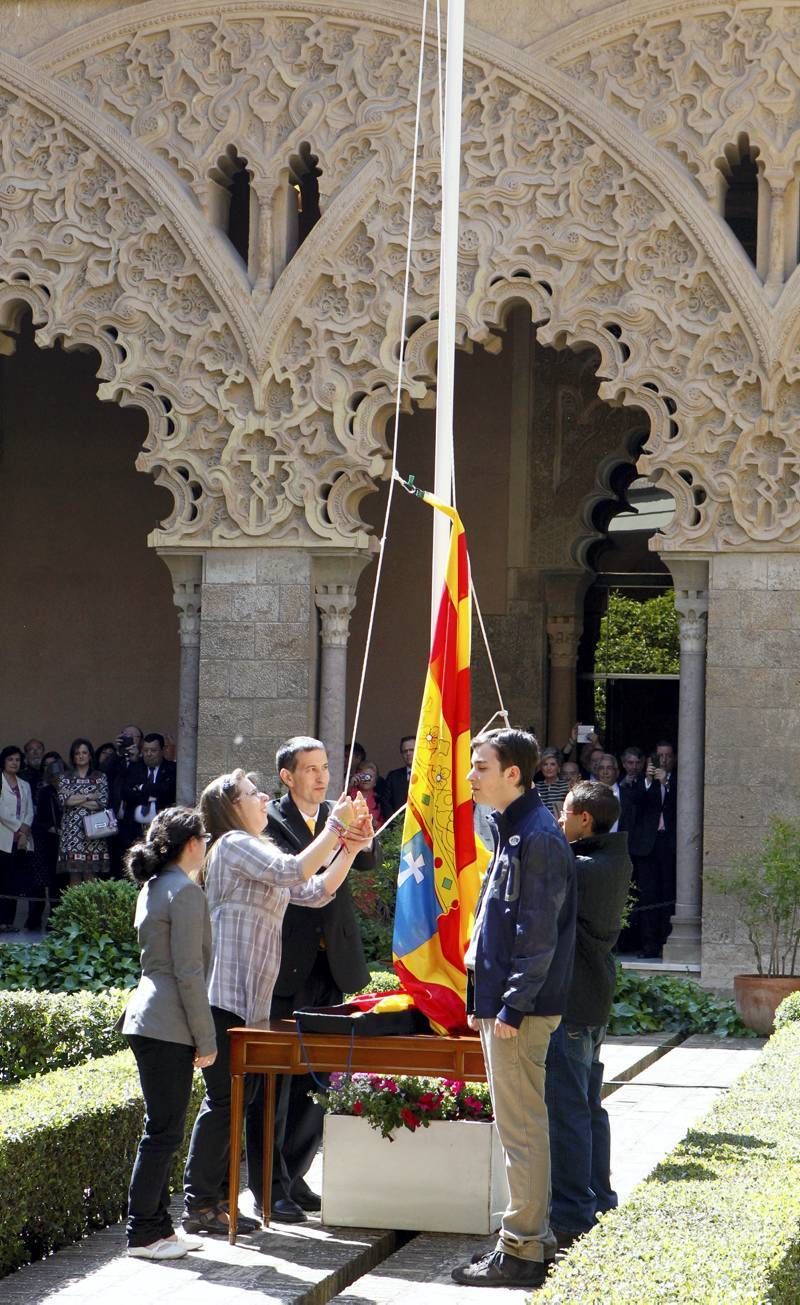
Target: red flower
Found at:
358, 1107
409, 1118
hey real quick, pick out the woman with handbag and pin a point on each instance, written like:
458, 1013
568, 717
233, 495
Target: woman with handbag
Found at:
167, 1022
83, 849
16, 819
249, 884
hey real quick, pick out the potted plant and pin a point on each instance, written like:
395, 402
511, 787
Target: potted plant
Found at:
410, 1152
766, 885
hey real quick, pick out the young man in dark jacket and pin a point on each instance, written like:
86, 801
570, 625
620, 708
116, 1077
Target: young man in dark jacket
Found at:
519, 964
580, 1138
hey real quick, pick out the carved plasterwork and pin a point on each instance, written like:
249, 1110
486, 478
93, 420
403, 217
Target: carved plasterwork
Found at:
268, 388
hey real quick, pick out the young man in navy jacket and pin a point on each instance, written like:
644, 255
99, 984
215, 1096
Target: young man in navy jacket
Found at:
519, 966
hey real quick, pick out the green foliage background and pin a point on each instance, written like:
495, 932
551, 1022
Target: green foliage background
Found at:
374, 893
640, 638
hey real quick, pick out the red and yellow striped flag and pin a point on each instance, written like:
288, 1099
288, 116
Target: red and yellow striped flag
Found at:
441, 866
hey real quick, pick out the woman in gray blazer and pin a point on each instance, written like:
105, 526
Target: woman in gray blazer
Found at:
167, 1021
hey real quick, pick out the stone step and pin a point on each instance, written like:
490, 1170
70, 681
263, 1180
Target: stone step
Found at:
626, 1056
647, 967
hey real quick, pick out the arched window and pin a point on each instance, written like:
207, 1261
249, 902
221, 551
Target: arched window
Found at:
233, 177
303, 179
740, 202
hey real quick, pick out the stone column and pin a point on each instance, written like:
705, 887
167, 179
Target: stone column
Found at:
563, 636
690, 577
186, 570
564, 593
335, 581
258, 657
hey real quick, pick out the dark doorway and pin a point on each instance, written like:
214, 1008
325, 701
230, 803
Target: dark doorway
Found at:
91, 639
627, 679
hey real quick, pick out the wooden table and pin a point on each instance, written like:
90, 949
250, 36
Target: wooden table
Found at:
276, 1049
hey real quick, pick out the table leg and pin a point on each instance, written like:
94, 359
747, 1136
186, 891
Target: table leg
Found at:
237, 1114
269, 1136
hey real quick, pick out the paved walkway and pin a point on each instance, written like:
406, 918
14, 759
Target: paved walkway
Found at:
664, 1090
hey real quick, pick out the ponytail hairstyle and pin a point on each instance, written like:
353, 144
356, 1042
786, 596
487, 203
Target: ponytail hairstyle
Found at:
166, 838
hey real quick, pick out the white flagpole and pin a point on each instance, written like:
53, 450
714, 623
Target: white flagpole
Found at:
451, 178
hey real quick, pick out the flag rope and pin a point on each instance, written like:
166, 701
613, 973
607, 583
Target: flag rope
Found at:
398, 400
395, 475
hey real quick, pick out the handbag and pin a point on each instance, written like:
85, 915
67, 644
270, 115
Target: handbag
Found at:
100, 824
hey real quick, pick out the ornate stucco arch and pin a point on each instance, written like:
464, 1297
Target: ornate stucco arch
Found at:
279, 379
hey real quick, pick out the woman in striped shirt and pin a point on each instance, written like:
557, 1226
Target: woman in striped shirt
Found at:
552, 789
249, 884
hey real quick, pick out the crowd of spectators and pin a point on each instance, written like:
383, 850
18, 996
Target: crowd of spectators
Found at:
46, 838
645, 783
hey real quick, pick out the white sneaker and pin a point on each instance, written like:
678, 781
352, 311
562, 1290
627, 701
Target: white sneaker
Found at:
166, 1248
190, 1240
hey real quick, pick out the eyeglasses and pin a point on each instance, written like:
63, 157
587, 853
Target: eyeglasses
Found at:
250, 792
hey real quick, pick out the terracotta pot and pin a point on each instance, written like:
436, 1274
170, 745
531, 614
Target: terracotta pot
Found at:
758, 996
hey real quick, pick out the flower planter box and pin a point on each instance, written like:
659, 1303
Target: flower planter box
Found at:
449, 1177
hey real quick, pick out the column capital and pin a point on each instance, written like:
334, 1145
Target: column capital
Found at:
186, 570
335, 582
690, 578
563, 635
692, 612
335, 603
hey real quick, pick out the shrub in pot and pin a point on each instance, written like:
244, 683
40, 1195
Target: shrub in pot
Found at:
766, 886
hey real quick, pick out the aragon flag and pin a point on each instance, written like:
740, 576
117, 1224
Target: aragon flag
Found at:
441, 864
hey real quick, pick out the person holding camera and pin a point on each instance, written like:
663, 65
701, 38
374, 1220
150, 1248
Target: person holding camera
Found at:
128, 751
365, 781
150, 782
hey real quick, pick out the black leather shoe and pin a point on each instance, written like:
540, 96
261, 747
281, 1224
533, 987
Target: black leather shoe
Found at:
496, 1269
305, 1198
565, 1237
285, 1210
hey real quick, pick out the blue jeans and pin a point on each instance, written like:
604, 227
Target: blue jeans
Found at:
580, 1135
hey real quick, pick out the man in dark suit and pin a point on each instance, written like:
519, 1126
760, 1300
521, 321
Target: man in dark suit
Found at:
394, 789
632, 792
321, 958
150, 784
128, 748
656, 841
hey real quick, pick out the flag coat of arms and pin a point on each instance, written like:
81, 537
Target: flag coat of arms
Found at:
441, 865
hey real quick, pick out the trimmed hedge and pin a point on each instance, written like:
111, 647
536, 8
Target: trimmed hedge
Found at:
41, 1031
90, 945
719, 1219
67, 1145
788, 1011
